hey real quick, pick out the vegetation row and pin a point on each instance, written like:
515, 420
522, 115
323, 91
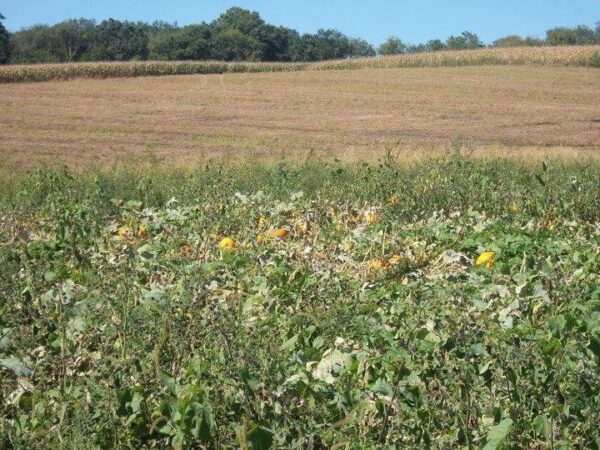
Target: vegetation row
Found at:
588, 56
236, 35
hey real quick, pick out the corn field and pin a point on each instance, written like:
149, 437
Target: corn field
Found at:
577, 56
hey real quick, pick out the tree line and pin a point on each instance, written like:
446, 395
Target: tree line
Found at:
236, 35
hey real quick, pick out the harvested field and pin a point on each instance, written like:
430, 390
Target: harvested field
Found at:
353, 114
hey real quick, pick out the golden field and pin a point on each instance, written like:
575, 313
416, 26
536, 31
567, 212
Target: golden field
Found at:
523, 111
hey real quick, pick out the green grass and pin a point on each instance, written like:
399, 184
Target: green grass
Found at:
111, 337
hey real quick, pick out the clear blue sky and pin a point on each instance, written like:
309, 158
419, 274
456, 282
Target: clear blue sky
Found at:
412, 20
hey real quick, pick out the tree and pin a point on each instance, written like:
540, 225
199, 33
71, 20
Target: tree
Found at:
73, 38
393, 46
330, 44
4, 42
435, 45
359, 48
192, 42
245, 21
327, 44
119, 41
416, 48
231, 44
301, 48
465, 41
276, 42
33, 45
514, 40
161, 26
581, 35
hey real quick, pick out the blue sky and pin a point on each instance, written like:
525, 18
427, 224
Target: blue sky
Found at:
412, 20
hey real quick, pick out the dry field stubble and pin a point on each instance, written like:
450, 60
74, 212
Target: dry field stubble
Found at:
513, 110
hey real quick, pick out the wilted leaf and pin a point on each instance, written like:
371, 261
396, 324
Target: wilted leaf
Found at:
16, 366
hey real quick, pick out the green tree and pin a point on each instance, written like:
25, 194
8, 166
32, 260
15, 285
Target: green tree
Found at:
359, 48
581, 35
72, 38
33, 45
231, 44
276, 42
393, 46
119, 41
435, 45
328, 44
514, 40
465, 41
417, 48
192, 42
4, 42
245, 21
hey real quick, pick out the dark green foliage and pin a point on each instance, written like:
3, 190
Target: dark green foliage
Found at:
241, 35
245, 21
4, 42
393, 46
517, 41
276, 42
435, 45
465, 41
192, 42
360, 48
581, 35
73, 38
33, 45
329, 44
231, 44
119, 41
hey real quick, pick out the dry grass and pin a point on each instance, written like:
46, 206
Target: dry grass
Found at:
511, 110
578, 56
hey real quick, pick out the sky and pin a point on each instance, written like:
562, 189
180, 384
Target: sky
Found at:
413, 21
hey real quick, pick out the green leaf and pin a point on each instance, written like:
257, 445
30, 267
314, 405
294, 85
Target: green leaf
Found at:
318, 342
497, 434
549, 347
557, 325
541, 425
169, 382
136, 402
124, 398
595, 344
261, 438
290, 343
206, 425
